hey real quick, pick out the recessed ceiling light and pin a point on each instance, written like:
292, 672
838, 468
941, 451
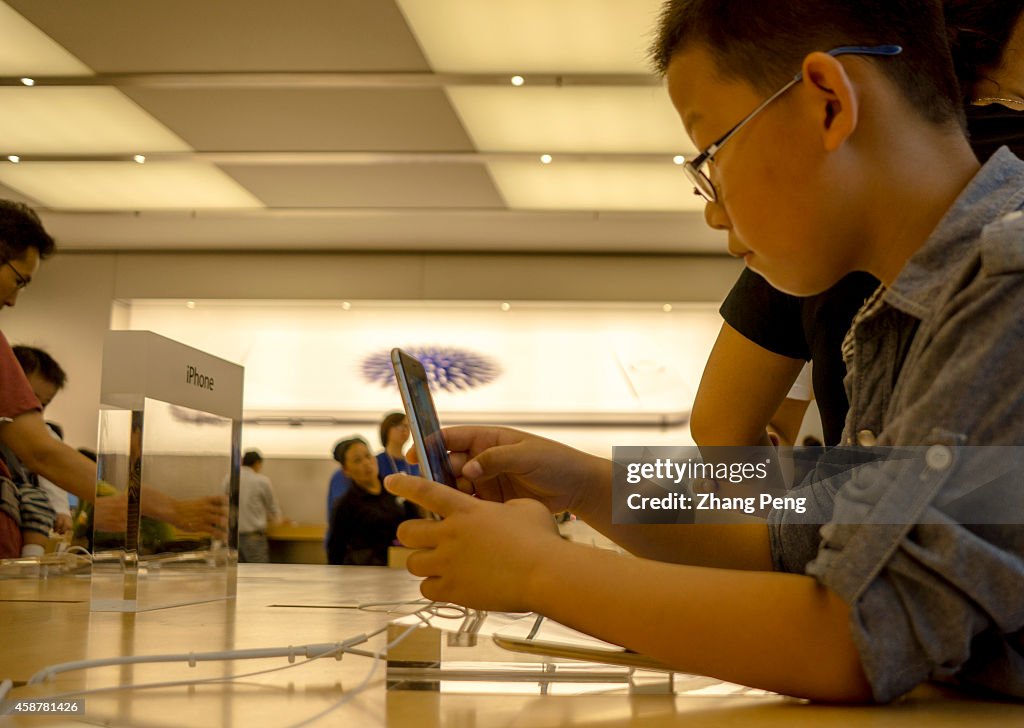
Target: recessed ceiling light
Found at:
190, 304
667, 308
140, 158
506, 306
346, 305
28, 81
518, 80
545, 158
679, 159
14, 158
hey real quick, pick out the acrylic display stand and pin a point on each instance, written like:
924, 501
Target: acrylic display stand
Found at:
462, 653
169, 436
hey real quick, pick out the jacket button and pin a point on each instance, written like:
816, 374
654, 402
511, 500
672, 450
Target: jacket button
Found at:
938, 457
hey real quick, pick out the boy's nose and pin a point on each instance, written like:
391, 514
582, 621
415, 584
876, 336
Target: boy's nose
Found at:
716, 217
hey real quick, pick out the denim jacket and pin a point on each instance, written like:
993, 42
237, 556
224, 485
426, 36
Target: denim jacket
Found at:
935, 360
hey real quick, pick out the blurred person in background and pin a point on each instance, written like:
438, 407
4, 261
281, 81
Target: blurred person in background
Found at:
337, 487
257, 508
365, 520
47, 378
24, 243
394, 433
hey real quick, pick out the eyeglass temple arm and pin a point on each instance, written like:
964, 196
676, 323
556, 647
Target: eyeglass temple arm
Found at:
882, 50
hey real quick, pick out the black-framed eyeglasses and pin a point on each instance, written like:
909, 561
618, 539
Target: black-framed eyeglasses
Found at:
21, 280
702, 184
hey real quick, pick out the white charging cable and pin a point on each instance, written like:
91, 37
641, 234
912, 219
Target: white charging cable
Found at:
291, 652
350, 694
310, 652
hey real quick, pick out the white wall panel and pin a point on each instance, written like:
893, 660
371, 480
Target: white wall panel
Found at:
68, 307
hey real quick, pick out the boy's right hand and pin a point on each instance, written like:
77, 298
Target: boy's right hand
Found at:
501, 464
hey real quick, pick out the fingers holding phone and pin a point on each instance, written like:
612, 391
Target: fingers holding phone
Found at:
502, 464
482, 555
494, 463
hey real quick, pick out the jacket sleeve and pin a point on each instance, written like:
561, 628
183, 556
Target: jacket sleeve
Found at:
928, 551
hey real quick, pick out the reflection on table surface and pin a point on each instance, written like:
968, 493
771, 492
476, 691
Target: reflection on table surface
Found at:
48, 621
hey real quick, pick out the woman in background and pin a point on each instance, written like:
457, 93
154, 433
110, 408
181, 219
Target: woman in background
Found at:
394, 433
336, 488
365, 519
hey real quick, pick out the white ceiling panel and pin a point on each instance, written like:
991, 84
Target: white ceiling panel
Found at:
594, 186
84, 120
423, 186
28, 51
534, 36
126, 185
570, 119
9, 193
403, 129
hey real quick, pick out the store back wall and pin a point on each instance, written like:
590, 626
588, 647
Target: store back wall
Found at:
67, 309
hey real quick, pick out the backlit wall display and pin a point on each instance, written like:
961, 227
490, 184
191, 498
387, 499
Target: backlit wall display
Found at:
527, 364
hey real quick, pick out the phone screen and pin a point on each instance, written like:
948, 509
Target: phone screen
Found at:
419, 408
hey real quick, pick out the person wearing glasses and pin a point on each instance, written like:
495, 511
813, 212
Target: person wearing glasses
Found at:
25, 512
833, 141
23, 244
767, 336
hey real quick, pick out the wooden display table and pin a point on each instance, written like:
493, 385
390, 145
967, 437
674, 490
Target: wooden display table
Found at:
299, 543
45, 622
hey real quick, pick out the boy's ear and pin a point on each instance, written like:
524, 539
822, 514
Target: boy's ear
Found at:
835, 96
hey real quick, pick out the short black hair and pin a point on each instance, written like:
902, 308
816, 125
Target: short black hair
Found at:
764, 42
21, 229
35, 360
390, 420
252, 457
978, 33
341, 447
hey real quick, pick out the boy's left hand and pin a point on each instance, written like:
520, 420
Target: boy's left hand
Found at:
483, 555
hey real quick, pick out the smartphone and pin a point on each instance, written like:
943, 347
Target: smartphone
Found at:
419, 408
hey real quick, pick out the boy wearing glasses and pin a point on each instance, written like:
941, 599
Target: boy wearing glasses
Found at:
833, 142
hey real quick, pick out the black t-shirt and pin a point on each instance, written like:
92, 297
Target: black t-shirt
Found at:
768, 317
363, 525
993, 126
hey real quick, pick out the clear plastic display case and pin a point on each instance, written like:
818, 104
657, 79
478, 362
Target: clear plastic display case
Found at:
164, 527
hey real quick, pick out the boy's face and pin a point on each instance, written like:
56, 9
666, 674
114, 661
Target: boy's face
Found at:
771, 177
